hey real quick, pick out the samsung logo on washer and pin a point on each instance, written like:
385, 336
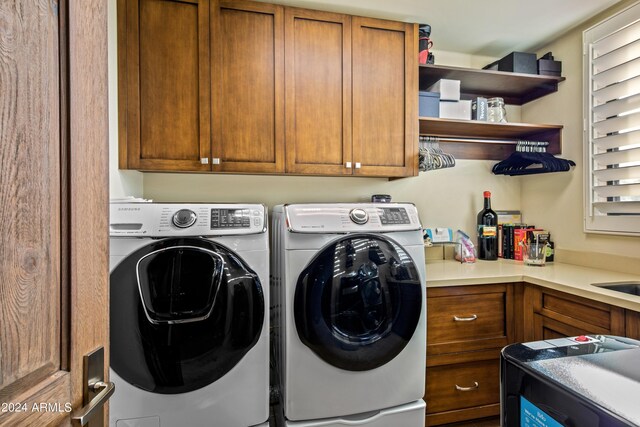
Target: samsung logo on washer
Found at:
128, 209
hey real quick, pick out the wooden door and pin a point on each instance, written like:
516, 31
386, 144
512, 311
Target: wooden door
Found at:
318, 92
164, 85
385, 84
248, 88
54, 193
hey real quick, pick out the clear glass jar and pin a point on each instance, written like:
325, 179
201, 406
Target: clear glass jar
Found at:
496, 112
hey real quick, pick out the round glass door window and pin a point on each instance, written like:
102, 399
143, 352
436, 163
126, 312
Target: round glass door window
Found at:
358, 303
183, 313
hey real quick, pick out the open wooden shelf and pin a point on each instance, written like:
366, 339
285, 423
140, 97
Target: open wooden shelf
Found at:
491, 131
514, 88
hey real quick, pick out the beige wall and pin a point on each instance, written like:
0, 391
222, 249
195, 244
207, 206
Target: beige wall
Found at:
555, 201
445, 198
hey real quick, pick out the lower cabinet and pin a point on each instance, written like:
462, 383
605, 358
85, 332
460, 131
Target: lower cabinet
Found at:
553, 314
466, 328
633, 325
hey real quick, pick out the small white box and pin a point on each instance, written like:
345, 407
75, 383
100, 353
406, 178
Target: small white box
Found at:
449, 90
455, 110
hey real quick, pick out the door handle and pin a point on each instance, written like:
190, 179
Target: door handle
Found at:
84, 414
96, 391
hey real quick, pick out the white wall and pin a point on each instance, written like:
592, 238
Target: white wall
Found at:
555, 201
121, 183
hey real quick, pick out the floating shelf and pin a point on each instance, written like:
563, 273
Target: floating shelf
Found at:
490, 150
515, 88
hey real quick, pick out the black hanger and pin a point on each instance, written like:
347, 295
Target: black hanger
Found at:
531, 158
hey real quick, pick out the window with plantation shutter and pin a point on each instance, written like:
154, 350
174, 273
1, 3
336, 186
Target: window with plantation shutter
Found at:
612, 124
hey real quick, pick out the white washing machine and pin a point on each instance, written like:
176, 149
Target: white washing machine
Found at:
189, 325
349, 308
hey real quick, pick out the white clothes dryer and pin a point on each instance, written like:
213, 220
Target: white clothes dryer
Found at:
189, 325
349, 308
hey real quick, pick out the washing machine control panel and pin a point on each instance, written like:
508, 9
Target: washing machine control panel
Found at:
193, 219
354, 217
389, 216
230, 218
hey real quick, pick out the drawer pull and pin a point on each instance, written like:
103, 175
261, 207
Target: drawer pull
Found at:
465, 319
473, 387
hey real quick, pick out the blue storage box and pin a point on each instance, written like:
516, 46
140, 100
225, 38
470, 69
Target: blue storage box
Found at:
429, 104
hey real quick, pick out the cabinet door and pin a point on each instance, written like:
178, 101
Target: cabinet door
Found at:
165, 85
318, 92
248, 91
633, 325
385, 84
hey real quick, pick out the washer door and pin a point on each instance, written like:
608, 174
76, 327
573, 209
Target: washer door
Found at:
358, 303
183, 313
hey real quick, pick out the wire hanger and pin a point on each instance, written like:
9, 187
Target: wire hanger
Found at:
530, 158
431, 156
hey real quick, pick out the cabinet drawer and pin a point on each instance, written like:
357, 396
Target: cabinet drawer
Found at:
451, 387
466, 322
550, 313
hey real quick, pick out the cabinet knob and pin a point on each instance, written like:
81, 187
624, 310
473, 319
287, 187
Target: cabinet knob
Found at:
204, 160
215, 161
358, 165
348, 165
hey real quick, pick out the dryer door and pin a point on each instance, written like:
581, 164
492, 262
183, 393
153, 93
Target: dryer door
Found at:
183, 313
358, 302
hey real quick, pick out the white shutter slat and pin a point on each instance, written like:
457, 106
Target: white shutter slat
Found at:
626, 190
619, 56
631, 121
618, 207
616, 141
614, 108
619, 73
617, 157
617, 91
616, 39
617, 174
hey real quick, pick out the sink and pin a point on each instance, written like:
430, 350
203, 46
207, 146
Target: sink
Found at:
631, 288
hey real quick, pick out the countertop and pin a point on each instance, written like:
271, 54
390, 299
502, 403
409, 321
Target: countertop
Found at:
568, 278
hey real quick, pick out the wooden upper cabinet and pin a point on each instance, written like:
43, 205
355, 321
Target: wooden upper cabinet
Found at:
247, 87
164, 81
318, 92
385, 84
250, 87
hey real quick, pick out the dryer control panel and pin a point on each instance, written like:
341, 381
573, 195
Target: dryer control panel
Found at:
193, 219
352, 217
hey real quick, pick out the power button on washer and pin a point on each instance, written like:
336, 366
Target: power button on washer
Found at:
581, 338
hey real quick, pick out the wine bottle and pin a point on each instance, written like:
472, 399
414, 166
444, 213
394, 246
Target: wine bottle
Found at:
487, 231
